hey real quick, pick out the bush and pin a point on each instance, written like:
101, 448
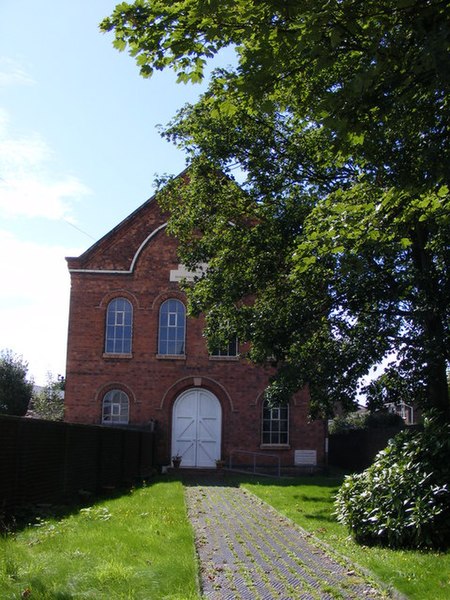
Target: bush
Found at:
403, 499
384, 419
48, 403
373, 420
15, 390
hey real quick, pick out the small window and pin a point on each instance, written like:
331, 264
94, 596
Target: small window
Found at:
119, 318
115, 408
275, 425
230, 350
172, 328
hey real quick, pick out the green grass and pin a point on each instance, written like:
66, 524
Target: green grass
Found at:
308, 501
139, 546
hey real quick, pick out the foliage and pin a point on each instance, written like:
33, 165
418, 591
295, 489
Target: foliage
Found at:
384, 418
15, 389
403, 499
348, 422
365, 420
334, 253
393, 387
48, 403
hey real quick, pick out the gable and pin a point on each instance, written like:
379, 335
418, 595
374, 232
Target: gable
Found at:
119, 249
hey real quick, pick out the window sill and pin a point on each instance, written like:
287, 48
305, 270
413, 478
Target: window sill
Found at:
275, 446
171, 356
226, 358
117, 355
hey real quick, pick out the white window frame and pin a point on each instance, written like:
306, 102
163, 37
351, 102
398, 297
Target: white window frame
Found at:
116, 342
225, 352
172, 321
275, 425
115, 408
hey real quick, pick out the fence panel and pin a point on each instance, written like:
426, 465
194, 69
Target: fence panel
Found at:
356, 450
147, 456
8, 458
82, 465
48, 462
40, 473
111, 457
131, 456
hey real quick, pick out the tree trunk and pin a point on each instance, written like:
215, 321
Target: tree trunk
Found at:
432, 321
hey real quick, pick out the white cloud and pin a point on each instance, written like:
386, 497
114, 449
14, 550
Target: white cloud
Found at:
31, 197
28, 186
34, 300
34, 294
12, 73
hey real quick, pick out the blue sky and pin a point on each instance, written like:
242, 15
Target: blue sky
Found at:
79, 151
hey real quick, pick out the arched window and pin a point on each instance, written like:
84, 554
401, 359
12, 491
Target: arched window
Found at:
119, 320
275, 424
172, 327
116, 407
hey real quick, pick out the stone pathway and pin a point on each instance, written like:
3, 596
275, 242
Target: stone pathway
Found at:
248, 551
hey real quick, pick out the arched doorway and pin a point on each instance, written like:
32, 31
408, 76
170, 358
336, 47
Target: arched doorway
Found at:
196, 428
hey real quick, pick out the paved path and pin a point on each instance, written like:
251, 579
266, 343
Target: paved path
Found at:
248, 551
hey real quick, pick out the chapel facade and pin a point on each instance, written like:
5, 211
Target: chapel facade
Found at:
134, 359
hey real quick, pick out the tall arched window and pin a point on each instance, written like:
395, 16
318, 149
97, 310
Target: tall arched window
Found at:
275, 425
119, 320
116, 408
172, 327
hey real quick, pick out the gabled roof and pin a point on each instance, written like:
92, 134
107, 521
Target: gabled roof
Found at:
118, 250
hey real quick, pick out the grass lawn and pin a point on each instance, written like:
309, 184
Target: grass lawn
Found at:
139, 546
308, 501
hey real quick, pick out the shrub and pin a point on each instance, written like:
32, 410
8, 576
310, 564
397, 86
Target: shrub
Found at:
48, 403
355, 421
383, 418
403, 499
348, 422
15, 389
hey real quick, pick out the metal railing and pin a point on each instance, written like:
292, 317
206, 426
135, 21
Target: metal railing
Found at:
252, 467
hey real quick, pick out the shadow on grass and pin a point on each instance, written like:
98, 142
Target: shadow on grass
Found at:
319, 499
318, 517
17, 518
233, 479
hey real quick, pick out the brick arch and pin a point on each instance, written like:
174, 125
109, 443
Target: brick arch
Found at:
185, 383
107, 387
167, 295
144, 244
294, 401
118, 293
259, 398
114, 385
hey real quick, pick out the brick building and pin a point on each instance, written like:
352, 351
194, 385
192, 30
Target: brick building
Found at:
134, 359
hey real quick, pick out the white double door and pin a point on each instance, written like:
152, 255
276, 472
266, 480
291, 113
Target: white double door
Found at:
197, 427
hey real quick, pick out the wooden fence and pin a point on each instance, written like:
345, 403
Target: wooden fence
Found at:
355, 450
49, 462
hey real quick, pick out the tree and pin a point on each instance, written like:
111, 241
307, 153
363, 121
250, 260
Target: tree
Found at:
393, 387
334, 253
15, 390
48, 403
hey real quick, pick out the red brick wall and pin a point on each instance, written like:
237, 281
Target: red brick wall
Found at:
153, 383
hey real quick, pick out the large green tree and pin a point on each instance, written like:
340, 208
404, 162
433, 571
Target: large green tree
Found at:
333, 253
